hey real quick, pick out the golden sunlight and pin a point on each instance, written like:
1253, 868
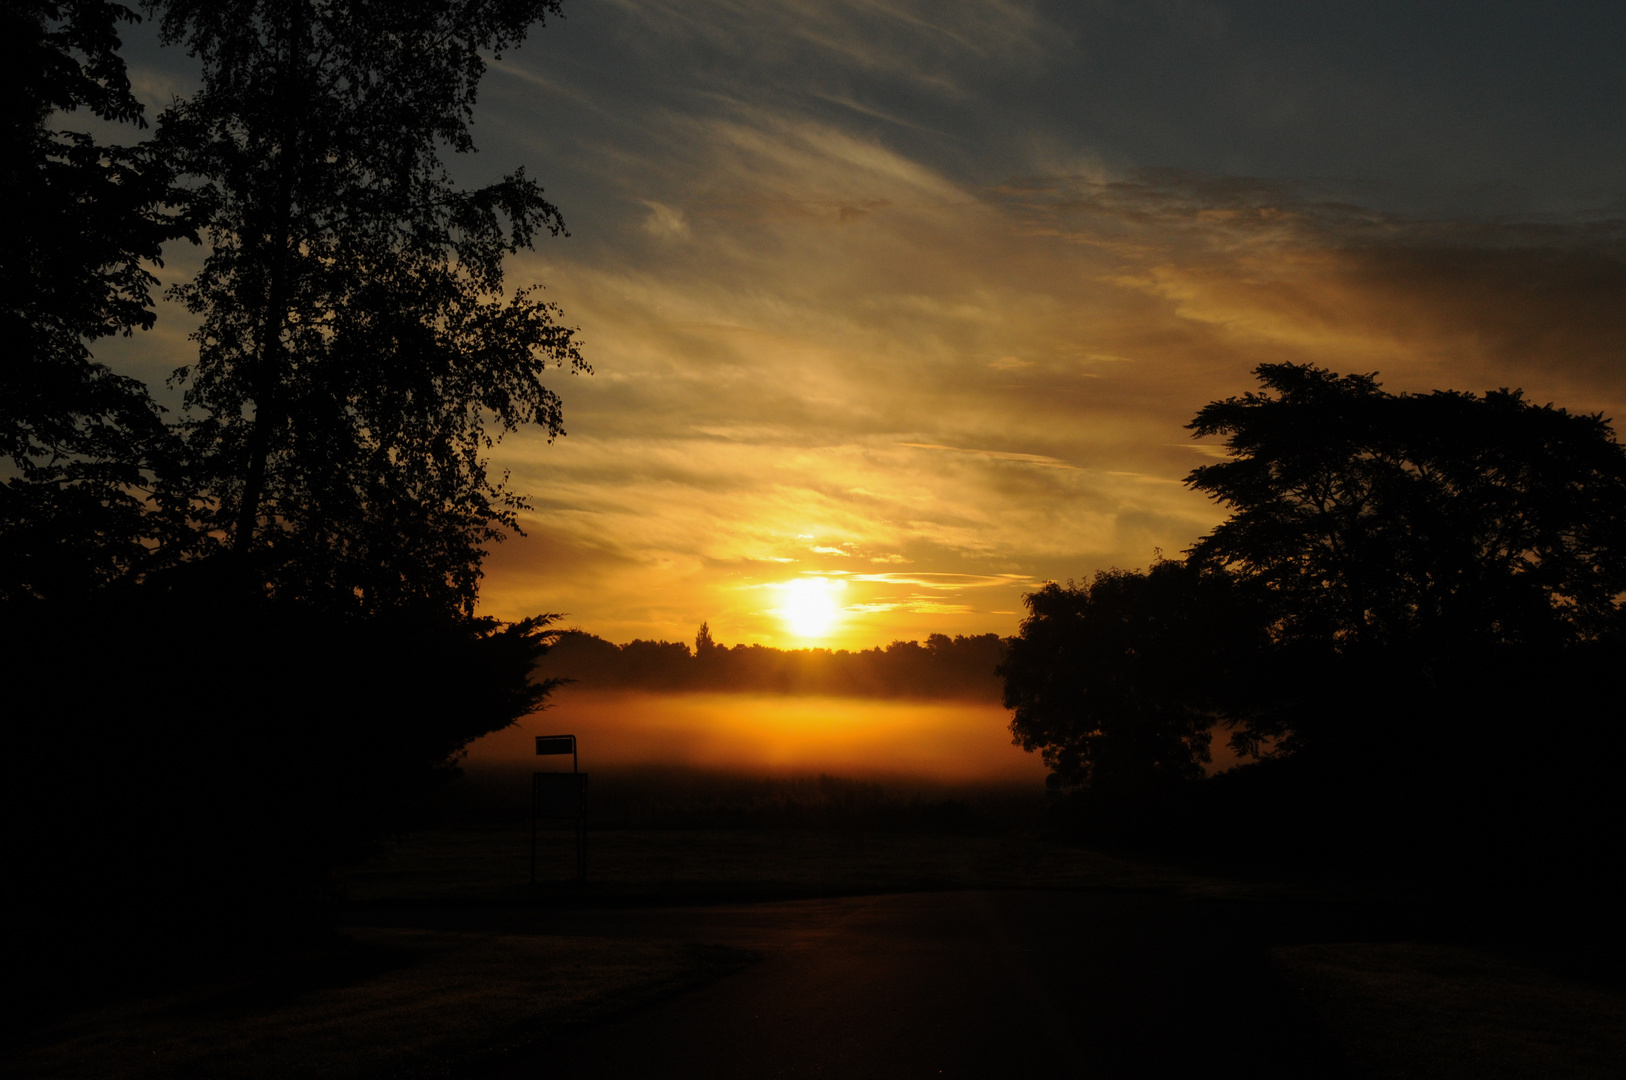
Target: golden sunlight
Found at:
945, 740
811, 608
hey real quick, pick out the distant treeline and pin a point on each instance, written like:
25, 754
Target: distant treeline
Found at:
943, 667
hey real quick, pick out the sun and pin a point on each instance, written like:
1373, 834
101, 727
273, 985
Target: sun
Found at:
811, 607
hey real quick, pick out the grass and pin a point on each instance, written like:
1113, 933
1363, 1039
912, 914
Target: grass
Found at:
1410, 1010
376, 1003
661, 867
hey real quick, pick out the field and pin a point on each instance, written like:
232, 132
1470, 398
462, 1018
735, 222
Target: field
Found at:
650, 867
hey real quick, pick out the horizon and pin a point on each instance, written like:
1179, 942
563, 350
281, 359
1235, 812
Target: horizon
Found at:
689, 643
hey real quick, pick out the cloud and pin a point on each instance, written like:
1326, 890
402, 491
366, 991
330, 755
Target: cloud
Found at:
665, 222
997, 455
750, 399
938, 286
1009, 363
948, 581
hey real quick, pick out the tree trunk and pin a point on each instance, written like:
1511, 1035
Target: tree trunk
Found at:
267, 406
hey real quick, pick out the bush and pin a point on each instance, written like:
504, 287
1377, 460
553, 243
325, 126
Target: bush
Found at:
195, 764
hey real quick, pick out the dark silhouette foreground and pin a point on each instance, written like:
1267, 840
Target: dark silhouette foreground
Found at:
198, 761
239, 644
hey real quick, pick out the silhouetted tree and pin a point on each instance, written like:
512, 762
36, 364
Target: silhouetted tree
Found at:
1410, 543
357, 358
1414, 612
256, 716
1119, 682
85, 221
1417, 519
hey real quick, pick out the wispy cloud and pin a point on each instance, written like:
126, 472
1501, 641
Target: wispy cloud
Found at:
997, 455
665, 222
948, 581
936, 286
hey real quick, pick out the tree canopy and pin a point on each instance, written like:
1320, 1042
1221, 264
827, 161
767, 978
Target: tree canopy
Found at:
1432, 521
357, 354
88, 221
249, 633
1410, 575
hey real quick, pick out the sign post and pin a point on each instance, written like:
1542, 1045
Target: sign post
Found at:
560, 796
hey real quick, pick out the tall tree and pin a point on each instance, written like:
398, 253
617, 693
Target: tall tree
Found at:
1430, 562
357, 356
1394, 567
86, 222
1427, 522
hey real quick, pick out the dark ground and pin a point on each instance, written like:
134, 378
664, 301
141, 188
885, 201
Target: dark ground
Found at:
1116, 969
803, 954
968, 984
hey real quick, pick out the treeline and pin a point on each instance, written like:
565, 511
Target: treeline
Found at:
943, 667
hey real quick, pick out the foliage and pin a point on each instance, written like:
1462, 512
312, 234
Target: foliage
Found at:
217, 755
1412, 612
357, 358
247, 640
88, 220
1119, 681
1411, 546
1434, 522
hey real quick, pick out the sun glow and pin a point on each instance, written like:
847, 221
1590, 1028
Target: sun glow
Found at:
811, 606
945, 739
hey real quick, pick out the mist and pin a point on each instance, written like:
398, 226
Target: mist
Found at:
957, 741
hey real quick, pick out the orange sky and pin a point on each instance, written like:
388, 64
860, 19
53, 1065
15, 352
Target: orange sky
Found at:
918, 297
960, 392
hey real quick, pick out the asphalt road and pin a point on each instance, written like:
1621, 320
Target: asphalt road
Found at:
967, 984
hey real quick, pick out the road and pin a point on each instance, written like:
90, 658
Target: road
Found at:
967, 984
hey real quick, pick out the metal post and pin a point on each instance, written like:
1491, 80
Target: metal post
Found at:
581, 836
561, 744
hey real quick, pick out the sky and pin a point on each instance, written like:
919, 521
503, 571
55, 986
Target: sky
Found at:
897, 310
